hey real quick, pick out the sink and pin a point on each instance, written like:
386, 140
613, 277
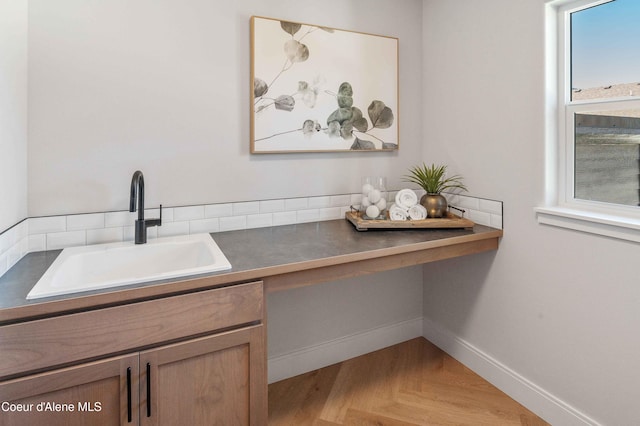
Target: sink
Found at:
100, 266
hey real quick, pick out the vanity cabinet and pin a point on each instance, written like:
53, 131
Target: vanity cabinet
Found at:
207, 369
87, 394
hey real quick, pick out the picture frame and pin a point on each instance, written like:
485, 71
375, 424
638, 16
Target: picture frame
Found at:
321, 89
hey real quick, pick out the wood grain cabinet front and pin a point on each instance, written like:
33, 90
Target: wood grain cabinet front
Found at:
216, 379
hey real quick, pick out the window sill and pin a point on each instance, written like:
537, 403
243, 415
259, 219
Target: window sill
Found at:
594, 223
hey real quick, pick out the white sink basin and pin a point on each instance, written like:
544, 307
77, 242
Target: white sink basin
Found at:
100, 266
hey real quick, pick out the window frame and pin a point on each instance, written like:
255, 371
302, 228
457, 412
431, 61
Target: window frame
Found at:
561, 207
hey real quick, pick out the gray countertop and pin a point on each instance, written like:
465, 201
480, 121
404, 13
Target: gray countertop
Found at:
253, 253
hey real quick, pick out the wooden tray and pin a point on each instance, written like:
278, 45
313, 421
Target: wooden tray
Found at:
451, 221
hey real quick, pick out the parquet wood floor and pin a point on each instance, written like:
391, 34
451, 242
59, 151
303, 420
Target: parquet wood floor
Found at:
413, 383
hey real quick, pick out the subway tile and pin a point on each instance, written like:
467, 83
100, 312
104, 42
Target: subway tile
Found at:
259, 220
105, 235
490, 206
60, 240
340, 200
20, 231
188, 213
167, 214
284, 218
122, 218
79, 222
24, 246
496, 221
295, 204
319, 202
233, 223
356, 199
251, 207
37, 242
464, 202
13, 256
172, 229
308, 215
479, 217
44, 225
204, 226
4, 242
3, 264
218, 210
128, 233
330, 213
271, 206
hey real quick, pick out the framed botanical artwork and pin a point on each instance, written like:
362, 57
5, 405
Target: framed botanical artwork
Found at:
319, 89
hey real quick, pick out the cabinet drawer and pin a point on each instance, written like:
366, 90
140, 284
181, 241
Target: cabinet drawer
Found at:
60, 340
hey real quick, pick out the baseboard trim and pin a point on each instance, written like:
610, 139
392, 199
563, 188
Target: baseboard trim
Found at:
538, 400
333, 351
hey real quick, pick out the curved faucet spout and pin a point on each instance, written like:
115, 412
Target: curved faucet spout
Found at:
137, 194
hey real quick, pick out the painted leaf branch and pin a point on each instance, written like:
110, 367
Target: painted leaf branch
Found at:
295, 52
350, 119
346, 120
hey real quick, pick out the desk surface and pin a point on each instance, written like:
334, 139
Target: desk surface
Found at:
283, 257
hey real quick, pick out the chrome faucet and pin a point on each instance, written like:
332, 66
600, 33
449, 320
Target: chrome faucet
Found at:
137, 195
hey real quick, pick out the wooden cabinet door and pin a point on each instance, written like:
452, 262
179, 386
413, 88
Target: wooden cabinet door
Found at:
213, 380
98, 393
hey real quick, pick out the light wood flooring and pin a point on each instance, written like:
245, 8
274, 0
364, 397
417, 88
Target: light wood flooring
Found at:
413, 383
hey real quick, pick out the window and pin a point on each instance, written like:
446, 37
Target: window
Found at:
597, 137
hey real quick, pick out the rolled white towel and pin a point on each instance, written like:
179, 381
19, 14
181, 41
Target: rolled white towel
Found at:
418, 212
406, 198
397, 213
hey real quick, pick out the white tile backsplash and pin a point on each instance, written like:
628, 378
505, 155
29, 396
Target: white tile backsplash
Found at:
251, 207
113, 219
233, 223
496, 221
187, 213
259, 220
330, 213
104, 235
464, 202
271, 206
204, 226
490, 206
295, 204
43, 225
60, 240
37, 242
310, 215
479, 217
284, 218
319, 202
57, 232
79, 222
218, 210
341, 200
171, 229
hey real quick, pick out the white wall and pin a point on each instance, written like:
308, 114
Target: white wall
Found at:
163, 86
312, 327
559, 308
13, 112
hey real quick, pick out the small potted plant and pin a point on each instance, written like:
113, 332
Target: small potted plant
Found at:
433, 181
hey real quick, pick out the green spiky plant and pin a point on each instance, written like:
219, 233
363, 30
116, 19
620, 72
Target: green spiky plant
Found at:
432, 179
